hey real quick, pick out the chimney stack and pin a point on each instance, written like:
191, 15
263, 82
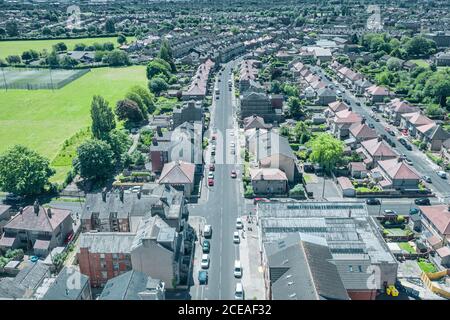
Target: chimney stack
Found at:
379, 139
49, 213
121, 193
104, 194
36, 207
139, 194
155, 141
363, 120
159, 131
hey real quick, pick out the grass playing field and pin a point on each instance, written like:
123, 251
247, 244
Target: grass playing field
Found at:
18, 46
44, 119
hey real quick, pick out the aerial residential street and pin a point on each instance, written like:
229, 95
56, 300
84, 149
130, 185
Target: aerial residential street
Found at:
224, 200
420, 161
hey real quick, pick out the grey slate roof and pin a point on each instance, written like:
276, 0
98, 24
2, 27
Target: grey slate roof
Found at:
32, 275
9, 289
127, 286
107, 242
63, 287
300, 268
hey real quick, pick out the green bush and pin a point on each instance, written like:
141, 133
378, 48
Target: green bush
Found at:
248, 192
297, 190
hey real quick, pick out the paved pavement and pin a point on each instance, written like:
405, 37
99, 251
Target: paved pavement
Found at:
420, 161
223, 202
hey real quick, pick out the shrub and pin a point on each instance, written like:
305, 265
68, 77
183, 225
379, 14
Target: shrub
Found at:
248, 192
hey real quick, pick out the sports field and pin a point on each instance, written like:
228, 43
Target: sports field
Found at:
44, 119
18, 78
18, 46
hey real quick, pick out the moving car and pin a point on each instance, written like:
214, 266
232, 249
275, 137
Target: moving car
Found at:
371, 125
203, 277
402, 141
206, 246
442, 174
239, 292
408, 147
237, 269
373, 201
233, 174
236, 238
239, 224
422, 201
207, 231
205, 261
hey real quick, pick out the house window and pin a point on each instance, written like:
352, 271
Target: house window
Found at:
115, 266
102, 256
360, 269
350, 268
115, 256
104, 275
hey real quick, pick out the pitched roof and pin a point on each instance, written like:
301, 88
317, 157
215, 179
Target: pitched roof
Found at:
107, 242
177, 172
300, 268
62, 288
29, 220
337, 106
267, 174
439, 215
439, 133
397, 169
362, 130
376, 147
128, 286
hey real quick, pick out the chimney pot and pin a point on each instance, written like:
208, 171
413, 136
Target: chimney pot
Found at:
49, 213
121, 194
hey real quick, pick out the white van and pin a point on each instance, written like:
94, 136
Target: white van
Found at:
207, 231
237, 269
239, 292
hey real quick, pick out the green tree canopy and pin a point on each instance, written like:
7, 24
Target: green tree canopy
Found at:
146, 96
95, 160
158, 85
326, 151
128, 110
24, 171
158, 67
102, 118
140, 103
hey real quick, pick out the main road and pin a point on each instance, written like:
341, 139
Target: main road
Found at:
222, 203
421, 163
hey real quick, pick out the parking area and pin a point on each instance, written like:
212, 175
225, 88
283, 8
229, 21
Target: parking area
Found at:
323, 186
197, 291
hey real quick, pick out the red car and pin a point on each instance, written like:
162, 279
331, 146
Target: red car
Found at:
233, 174
212, 167
210, 182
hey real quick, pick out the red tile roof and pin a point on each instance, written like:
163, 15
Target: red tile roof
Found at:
439, 215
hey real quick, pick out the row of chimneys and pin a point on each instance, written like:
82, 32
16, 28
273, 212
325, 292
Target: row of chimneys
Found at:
121, 194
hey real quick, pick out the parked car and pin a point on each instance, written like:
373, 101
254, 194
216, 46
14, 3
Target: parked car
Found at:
233, 174
236, 238
210, 175
212, 167
389, 213
371, 125
407, 161
205, 261
203, 277
239, 292
239, 224
256, 200
392, 133
373, 201
426, 179
211, 182
408, 147
402, 141
442, 174
237, 269
422, 201
207, 231
206, 246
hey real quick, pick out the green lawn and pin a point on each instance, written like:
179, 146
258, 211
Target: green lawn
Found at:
426, 266
18, 46
407, 247
44, 119
420, 63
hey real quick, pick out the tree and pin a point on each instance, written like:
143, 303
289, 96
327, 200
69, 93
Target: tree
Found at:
295, 107
299, 21
394, 64
119, 142
146, 96
128, 110
52, 59
108, 46
24, 171
95, 160
79, 47
275, 87
12, 28
13, 59
117, 58
438, 87
60, 47
419, 45
68, 62
158, 67
326, 151
166, 54
158, 85
109, 26
302, 132
138, 100
121, 39
102, 118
